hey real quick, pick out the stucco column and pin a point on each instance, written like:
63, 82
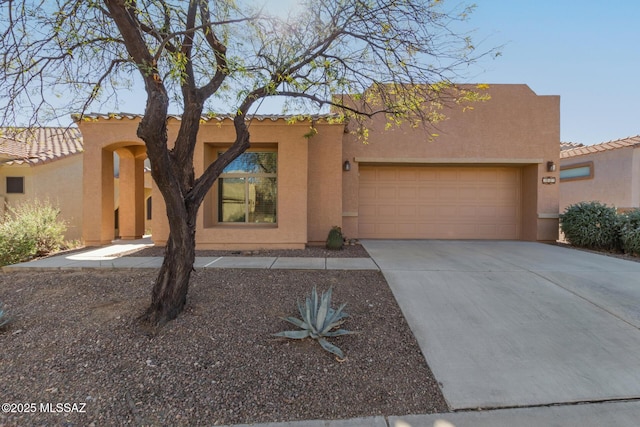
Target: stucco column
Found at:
97, 200
131, 206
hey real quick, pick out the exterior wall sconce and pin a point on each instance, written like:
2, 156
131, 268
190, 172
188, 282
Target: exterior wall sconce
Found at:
548, 179
346, 166
551, 167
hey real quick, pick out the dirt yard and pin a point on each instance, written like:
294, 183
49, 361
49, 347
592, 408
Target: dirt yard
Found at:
75, 350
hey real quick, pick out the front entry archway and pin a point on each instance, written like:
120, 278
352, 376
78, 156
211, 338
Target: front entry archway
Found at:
131, 194
100, 192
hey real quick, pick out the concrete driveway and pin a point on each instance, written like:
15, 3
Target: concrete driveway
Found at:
510, 324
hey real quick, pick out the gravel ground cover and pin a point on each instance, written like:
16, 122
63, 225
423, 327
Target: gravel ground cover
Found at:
75, 340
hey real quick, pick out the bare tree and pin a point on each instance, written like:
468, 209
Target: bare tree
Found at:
393, 57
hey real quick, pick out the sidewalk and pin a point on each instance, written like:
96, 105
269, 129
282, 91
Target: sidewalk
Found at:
619, 414
115, 256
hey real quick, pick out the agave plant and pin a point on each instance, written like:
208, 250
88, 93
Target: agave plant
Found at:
318, 321
4, 317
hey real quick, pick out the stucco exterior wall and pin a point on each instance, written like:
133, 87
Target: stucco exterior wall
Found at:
101, 138
60, 182
514, 128
615, 179
308, 186
325, 182
292, 154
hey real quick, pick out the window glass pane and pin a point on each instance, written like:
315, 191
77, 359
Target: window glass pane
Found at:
15, 185
232, 200
262, 200
253, 163
580, 172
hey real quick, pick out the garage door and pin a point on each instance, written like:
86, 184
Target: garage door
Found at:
429, 202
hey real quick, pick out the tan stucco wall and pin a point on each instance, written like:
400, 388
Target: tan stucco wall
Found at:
60, 182
293, 187
325, 182
615, 179
515, 128
301, 200
101, 138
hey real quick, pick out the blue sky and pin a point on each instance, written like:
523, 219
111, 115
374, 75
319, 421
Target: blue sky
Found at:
588, 52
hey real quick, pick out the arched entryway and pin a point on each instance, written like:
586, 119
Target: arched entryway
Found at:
114, 182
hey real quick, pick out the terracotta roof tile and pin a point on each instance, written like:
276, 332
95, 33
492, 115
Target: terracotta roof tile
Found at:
259, 117
632, 141
39, 145
569, 145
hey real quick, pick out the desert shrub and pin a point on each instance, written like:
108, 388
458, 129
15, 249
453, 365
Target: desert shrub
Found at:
4, 317
29, 230
319, 322
630, 231
591, 225
335, 239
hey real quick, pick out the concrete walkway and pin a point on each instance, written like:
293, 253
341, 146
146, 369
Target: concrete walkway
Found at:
618, 414
114, 256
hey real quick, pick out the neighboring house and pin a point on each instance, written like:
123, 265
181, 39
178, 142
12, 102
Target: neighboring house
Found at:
490, 174
43, 163
607, 172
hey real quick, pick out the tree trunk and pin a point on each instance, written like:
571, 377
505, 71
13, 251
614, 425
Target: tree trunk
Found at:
169, 294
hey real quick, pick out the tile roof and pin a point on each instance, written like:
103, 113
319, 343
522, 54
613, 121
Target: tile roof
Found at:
632, 141
39, 145
569, 145
206, 118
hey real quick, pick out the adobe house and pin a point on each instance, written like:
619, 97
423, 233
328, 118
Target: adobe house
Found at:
481, 178
608, 172
45, 164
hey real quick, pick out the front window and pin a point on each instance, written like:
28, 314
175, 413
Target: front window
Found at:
576, 171
15, 185
247, 189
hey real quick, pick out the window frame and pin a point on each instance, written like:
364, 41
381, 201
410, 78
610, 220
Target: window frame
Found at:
247, 176
149, 207
588, 164
22, 182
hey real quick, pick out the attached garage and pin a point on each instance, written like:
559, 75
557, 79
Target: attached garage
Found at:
439, 202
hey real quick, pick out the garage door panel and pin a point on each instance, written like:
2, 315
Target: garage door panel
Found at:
448, 175
406, 193
427, 193
439, 202
367, 211
386, 174
410, 174
408, 212
427, 175
386, 193
386, 211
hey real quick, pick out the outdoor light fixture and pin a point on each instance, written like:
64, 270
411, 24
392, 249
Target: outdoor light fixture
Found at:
346, 166
551, 167
548, 179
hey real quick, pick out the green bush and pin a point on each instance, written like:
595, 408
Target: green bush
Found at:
29, 230
630, 231
591, 225
335, 239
